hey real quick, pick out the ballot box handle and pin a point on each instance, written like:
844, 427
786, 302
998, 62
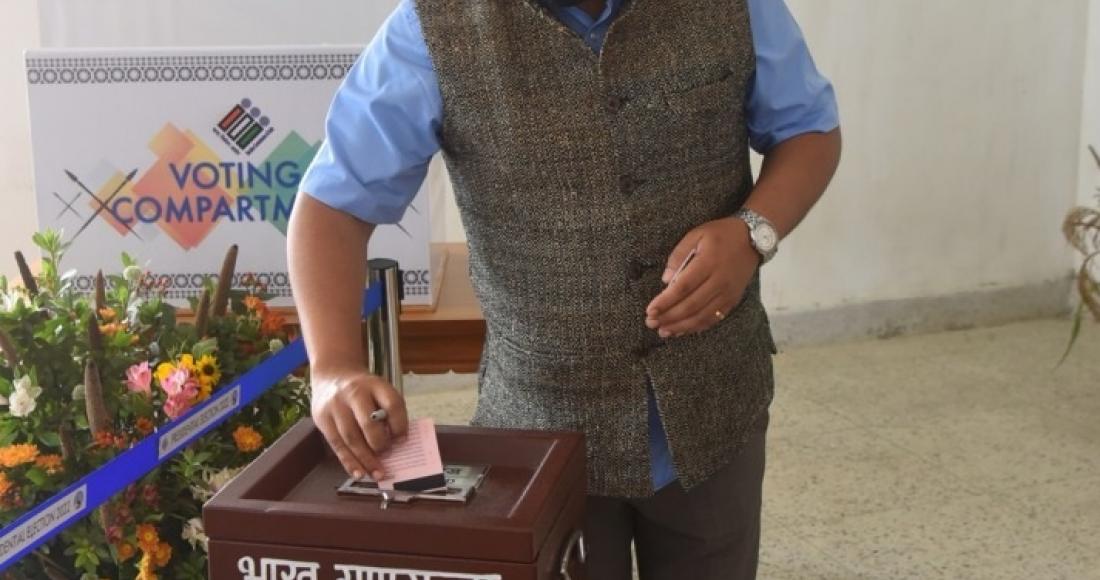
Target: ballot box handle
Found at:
575, 545
383, 343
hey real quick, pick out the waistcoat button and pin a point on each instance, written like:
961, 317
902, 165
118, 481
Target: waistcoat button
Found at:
615, 103
636, 269
627, 184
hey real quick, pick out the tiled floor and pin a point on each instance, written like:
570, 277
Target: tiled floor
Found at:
963, 455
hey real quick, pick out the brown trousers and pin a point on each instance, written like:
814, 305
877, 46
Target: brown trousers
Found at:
709, 533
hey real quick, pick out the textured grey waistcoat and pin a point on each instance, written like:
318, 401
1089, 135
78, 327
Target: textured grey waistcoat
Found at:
575, 175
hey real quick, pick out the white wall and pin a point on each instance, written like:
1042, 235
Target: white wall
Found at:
961, 122
962, 126
18, 31
1089, 182
76, 23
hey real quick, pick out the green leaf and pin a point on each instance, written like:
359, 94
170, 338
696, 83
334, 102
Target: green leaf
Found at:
1078, 316
50, 439
37, 476
205, 347
121, 339
8, 433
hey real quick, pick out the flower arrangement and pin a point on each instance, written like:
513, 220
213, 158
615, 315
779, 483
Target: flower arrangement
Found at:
82, 378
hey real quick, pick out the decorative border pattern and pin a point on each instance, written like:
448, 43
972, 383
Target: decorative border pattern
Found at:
184, 285
168, 69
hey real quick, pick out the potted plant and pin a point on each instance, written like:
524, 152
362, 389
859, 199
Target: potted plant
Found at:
1082, 229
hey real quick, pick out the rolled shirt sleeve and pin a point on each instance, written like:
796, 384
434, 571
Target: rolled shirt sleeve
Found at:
789, 96
382, 127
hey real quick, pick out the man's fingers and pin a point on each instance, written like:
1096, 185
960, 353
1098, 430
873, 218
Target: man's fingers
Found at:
702, 319
351, 464
352, 434
398, 414
685, 285
679, 254
376, 433
673, 320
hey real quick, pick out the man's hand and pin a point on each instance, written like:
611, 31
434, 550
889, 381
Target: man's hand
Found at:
343, 400
711, 285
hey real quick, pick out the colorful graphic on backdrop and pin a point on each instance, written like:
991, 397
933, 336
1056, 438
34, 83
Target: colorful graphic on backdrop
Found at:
189, 190
166, 153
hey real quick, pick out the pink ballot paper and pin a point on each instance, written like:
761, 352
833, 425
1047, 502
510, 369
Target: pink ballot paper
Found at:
413, 462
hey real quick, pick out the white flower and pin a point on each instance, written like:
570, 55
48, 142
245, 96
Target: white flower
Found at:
132, 273
275, 345
78, 393
22, 404
194, 533
214, 480
24, 398
9, 300
24, 383
219, 479
200, 493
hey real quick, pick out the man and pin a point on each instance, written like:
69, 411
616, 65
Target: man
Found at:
600, 156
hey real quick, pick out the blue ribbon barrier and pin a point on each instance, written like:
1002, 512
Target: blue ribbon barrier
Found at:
49, 518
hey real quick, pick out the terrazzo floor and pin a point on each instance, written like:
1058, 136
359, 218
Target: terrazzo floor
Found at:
960, 455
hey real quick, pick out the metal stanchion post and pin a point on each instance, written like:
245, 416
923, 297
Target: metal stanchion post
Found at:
383, 347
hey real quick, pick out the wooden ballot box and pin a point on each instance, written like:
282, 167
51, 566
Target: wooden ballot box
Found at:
284, 518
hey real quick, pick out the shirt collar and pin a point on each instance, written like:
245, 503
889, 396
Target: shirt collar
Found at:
579, 15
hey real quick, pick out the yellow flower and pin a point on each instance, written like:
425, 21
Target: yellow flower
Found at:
146, 568
247, 439
187, 362
147, 538
163, 370
5, 484
204, 391
163, 554
209, 373
15, 455
107, 314
51, 464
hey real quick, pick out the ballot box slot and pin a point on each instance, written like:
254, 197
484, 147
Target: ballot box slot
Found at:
462, 483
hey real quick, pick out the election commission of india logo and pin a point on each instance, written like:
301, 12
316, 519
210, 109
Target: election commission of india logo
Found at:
244, 127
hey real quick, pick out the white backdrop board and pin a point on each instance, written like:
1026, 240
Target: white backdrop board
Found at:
172, 155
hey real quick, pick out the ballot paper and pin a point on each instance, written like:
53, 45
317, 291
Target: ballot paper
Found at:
413, 463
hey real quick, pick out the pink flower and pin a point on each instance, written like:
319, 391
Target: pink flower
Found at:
139, 378
181, 389
179, 382
176, 406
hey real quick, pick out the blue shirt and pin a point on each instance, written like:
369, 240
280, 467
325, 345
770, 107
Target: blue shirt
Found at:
383, 126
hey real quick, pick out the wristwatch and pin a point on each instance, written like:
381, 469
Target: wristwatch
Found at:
765, 238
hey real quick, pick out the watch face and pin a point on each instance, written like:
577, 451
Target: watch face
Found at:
765, 237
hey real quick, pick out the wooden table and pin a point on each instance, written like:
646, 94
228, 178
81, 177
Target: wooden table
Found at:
450, 337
